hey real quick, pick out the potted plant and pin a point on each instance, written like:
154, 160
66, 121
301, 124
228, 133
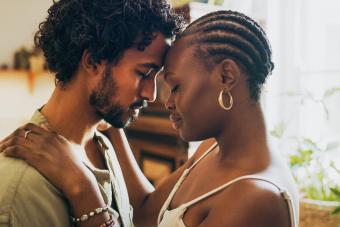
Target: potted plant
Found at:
316, 170
317, 177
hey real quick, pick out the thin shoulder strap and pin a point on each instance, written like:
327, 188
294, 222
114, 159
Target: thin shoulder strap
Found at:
179, 182
284, 192
202, 156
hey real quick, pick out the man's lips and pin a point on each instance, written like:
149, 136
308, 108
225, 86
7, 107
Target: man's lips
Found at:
139, 105
134, 112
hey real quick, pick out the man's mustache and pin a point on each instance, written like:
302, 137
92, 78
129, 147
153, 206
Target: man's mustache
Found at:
139, 104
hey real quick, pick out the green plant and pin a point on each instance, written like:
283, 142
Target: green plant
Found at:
315, 172
312, 162
313, 169
336, 192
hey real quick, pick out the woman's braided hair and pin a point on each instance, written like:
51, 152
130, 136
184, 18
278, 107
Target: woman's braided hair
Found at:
228, 34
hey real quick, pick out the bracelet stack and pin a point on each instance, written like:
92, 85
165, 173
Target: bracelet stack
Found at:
85, 217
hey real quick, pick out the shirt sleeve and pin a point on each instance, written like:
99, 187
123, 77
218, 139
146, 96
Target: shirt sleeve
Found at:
4, 220
29, 199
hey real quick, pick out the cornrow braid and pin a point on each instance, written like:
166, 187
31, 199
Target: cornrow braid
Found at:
229, 34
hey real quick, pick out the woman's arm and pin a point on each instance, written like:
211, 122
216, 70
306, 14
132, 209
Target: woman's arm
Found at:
50, 153
146, 200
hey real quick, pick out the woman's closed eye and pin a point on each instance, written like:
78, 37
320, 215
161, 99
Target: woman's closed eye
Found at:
174, 89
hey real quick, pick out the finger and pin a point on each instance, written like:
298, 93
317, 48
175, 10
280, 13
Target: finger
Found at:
30, 131
8, 137
15, 140
22, 131
32, 140
34, 128
29, 151
17, 151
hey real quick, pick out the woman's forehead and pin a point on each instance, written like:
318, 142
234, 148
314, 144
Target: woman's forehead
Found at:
179, 51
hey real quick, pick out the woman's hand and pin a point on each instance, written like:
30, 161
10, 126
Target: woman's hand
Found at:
49, 153
52, 155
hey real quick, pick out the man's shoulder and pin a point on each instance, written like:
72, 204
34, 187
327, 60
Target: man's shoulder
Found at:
20, 180
11, 172
26, 196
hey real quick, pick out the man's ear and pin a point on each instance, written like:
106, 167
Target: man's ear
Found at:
229, 74
88, 64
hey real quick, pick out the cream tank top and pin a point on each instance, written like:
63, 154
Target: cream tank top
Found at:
174, 217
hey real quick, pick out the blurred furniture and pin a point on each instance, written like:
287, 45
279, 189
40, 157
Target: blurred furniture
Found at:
156, 145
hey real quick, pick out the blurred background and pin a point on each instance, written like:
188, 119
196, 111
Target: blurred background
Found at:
301, 100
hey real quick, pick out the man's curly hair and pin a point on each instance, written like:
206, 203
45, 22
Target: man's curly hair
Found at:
105, 28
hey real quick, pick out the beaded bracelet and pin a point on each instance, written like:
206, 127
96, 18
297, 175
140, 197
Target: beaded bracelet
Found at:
85, 217
109, 223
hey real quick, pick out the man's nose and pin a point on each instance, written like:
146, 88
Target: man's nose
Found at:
149, 90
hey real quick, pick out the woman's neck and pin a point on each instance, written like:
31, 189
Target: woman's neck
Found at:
243, 140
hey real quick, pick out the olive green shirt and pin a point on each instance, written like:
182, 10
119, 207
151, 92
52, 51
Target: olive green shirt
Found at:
28, 199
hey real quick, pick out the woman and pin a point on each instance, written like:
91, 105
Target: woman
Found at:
215, 70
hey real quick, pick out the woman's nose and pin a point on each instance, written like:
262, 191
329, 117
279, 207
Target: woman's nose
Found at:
170, 104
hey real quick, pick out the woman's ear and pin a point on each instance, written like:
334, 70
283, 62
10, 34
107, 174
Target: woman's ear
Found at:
88, 64
229, 74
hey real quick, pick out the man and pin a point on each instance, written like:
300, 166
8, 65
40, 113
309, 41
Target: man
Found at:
106, 55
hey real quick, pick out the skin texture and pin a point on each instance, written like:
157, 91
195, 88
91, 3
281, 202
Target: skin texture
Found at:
240, 133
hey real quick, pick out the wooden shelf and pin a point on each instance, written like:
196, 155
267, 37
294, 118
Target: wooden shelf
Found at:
155, 125
154, 140
24, 75
22, 72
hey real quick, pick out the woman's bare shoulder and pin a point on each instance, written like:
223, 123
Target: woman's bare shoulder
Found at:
249, 203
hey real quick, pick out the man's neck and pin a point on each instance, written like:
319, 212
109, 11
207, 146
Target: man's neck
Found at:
70, 115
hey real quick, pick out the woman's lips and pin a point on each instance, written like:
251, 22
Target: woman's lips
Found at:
176, 121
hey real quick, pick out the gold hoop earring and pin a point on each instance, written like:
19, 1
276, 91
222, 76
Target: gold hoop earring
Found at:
220, 101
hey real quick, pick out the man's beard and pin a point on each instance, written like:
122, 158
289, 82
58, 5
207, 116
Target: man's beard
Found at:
100, 98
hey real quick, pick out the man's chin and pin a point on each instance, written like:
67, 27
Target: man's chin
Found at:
121, 123
129, 121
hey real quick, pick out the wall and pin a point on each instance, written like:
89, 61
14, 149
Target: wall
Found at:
19, 19
18, 101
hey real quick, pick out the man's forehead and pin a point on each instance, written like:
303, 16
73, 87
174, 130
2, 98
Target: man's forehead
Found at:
153, 55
